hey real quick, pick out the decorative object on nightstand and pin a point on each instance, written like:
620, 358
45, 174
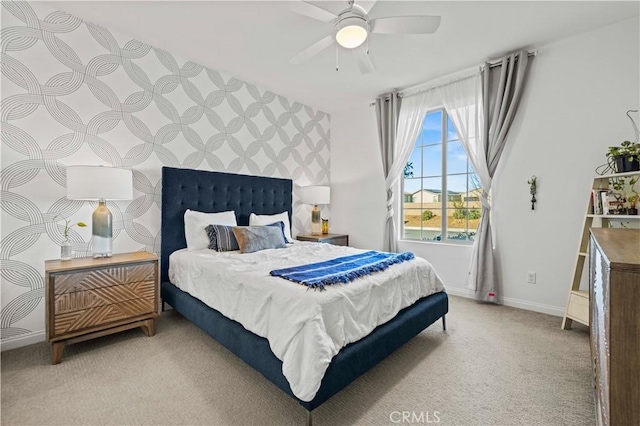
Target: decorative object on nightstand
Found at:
100, 184
65, 247
88, 298
316, 195
325, 226
335, 239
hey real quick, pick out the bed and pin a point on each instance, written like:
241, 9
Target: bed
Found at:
217, 192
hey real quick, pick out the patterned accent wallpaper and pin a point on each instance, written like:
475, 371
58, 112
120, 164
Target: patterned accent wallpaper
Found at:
76, 94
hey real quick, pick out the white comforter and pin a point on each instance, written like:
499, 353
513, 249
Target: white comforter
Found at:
305, 328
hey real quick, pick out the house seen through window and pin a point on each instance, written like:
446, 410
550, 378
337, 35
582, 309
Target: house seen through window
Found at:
441, 189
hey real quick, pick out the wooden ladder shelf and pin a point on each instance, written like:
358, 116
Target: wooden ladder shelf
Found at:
578, 301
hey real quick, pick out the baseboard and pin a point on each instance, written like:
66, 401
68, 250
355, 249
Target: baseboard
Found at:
514, 303
22, 340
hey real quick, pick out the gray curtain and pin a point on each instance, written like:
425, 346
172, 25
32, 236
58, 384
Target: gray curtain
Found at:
502, 88
387, 112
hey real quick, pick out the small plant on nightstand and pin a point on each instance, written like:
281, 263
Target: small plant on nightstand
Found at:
65, 247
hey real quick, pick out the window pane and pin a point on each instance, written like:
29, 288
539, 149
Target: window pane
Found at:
432, 189
414, 163
457, 188
457, 223
412, 224
431, 228
458, 235
412, 185
474, 180
432, 127
462, 223
432, 208
456, 158
423, 198
419, 139
451, 130
432, 160
472, 198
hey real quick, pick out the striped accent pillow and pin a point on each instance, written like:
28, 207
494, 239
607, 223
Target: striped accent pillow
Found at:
221, 238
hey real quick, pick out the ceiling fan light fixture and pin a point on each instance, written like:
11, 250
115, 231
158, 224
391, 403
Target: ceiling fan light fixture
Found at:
351, 32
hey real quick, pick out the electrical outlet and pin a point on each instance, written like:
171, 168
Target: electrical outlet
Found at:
531, 277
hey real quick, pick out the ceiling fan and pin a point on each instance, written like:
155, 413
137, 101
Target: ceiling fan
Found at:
352, 27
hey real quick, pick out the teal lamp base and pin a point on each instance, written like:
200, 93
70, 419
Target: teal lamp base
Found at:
102, 231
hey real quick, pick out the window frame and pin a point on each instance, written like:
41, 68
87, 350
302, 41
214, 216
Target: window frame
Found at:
444, 185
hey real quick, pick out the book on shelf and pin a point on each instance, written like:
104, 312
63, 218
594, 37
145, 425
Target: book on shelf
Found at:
596, 201
604, 196
601, 204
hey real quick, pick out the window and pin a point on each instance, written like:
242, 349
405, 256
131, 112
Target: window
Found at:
440, 171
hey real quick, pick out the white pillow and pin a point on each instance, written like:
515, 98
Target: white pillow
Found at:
266, 219
195, 222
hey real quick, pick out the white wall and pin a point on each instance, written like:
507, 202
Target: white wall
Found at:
572, 111
358, 197
84, 95
574, 108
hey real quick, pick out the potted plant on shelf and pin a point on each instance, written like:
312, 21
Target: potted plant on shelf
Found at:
625, 157
634, 197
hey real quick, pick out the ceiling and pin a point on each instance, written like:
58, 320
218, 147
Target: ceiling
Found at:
253, 40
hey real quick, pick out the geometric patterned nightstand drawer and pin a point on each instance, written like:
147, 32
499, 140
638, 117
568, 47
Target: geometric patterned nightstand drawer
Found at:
69, 282
101, 296
89, 318
88, 298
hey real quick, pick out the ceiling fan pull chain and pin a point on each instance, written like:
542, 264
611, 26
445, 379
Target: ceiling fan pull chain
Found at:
337, 49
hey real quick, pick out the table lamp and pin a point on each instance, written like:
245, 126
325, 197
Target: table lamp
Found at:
99, 183
316, 195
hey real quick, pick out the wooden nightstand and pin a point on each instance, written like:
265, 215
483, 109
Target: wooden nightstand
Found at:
88, 298
335, 239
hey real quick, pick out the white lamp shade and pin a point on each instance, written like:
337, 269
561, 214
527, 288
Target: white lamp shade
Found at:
315, 194
99, 183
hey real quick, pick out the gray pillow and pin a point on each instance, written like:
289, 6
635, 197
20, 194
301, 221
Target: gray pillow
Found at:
255, 238
221, 238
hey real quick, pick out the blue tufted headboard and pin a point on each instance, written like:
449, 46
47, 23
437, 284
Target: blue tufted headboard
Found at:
211, 192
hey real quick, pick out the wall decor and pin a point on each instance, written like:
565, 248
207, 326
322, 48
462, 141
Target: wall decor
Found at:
532, 190
75, 93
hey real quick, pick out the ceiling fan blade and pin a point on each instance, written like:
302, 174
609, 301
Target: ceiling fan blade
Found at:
365, 63
312, 11
367, 5
405, 25
312, 50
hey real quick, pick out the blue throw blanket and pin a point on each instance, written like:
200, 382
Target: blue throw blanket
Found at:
342, 269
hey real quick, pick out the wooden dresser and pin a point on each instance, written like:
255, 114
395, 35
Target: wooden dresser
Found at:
615, 324
88, 298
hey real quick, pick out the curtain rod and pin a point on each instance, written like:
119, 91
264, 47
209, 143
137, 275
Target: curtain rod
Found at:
426, 84
498, 63
491, 65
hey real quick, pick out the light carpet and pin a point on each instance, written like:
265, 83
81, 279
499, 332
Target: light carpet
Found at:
494, 365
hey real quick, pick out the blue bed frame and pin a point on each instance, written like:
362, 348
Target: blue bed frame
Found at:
215, 192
